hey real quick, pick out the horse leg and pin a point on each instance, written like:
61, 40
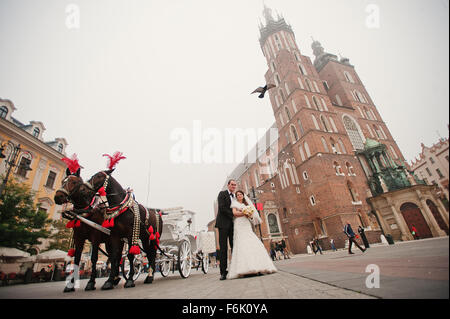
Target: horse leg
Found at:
73, 280
150, 250
116, 252
130, 281
94, 257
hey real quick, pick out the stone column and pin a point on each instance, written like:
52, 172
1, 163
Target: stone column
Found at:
442, 210
384, 226
406, 234
428, 215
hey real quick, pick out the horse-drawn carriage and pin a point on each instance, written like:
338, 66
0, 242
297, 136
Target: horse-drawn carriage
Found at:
180, 247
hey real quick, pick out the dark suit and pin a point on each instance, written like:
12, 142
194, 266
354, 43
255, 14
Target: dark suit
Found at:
224, 221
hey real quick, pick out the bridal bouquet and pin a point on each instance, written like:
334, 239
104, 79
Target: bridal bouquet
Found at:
248, 211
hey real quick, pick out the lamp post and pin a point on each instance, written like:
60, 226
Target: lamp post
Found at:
254, 200
11, 161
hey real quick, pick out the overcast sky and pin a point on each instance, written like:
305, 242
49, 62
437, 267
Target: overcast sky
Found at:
136, 72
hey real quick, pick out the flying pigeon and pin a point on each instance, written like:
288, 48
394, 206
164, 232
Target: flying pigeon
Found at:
263, 90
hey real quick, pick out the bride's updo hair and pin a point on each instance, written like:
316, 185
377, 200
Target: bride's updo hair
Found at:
243, 199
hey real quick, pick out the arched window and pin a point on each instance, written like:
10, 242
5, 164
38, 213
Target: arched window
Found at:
277, 80
325, 145
36, 132
273, 224
353, 193
316, 87
350, 170
296, 56
348, 77
377, 131
283, 98
301, 83
302, 69
288, 114
338, 169
273, 66
353, 133
317, 103
338, 100
325, 123
334, 146
394, 153
324, 104
3, 111
60, 148
333, 125
300, 126
294, 134
308, 85
315, 122
308, 153
341, 144
287, 88
302, 154
307, 101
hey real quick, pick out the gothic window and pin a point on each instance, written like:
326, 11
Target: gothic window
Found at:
300, 126
338, 169
334, 147
307, 101
294, 106
316, 87
273, 224
317, 103
302, 154
353, 133
333, 125
288, 114
325, 84
378, 132
350, 169
341, 144
338, 100
325, 146
325, 123
315, 122
296, 56
282, 96
308, 85
3, 111
36, 132
312, 199
302, 69
294, 134
324, 104
308, 153
348, 77
287, 88
301, 84
394, 153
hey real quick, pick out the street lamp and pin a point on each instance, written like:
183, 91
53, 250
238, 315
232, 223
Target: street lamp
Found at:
254, 200
11, 161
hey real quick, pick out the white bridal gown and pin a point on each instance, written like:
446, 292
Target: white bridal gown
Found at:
249, 254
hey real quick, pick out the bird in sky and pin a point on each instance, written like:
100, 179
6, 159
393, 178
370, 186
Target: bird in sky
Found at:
263, 90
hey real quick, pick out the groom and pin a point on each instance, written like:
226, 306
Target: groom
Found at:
224, 221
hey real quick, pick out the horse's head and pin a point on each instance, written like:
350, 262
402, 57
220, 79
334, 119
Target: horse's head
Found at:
74, 190
69, 186
100, 180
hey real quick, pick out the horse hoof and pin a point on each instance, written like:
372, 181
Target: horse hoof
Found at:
148, 280
90, 286
116, 281
67, 289
107, 286
129, 284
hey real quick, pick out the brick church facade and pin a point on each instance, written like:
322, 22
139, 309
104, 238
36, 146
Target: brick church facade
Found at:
312, 178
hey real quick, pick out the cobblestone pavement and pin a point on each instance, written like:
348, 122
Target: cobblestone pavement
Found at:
417, 269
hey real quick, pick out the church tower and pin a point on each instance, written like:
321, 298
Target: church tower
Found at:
322, 182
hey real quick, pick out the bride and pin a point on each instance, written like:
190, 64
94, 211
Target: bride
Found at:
249, 255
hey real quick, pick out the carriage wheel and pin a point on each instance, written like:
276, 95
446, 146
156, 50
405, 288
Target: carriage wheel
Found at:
184, 258
138, 268
164, 268
205, 264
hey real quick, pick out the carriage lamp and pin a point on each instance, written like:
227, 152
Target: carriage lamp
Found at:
11, 161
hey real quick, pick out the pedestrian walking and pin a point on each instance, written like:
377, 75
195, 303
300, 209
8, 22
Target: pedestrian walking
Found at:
316, 241
351, 238
285, 250
363, 237
333, 246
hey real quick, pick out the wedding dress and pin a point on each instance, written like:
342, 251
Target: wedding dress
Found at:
249, 254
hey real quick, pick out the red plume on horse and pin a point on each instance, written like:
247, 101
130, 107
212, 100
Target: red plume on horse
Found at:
72, 164
113, 160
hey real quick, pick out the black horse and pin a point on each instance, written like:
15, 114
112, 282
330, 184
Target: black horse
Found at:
73, 189
124, 225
